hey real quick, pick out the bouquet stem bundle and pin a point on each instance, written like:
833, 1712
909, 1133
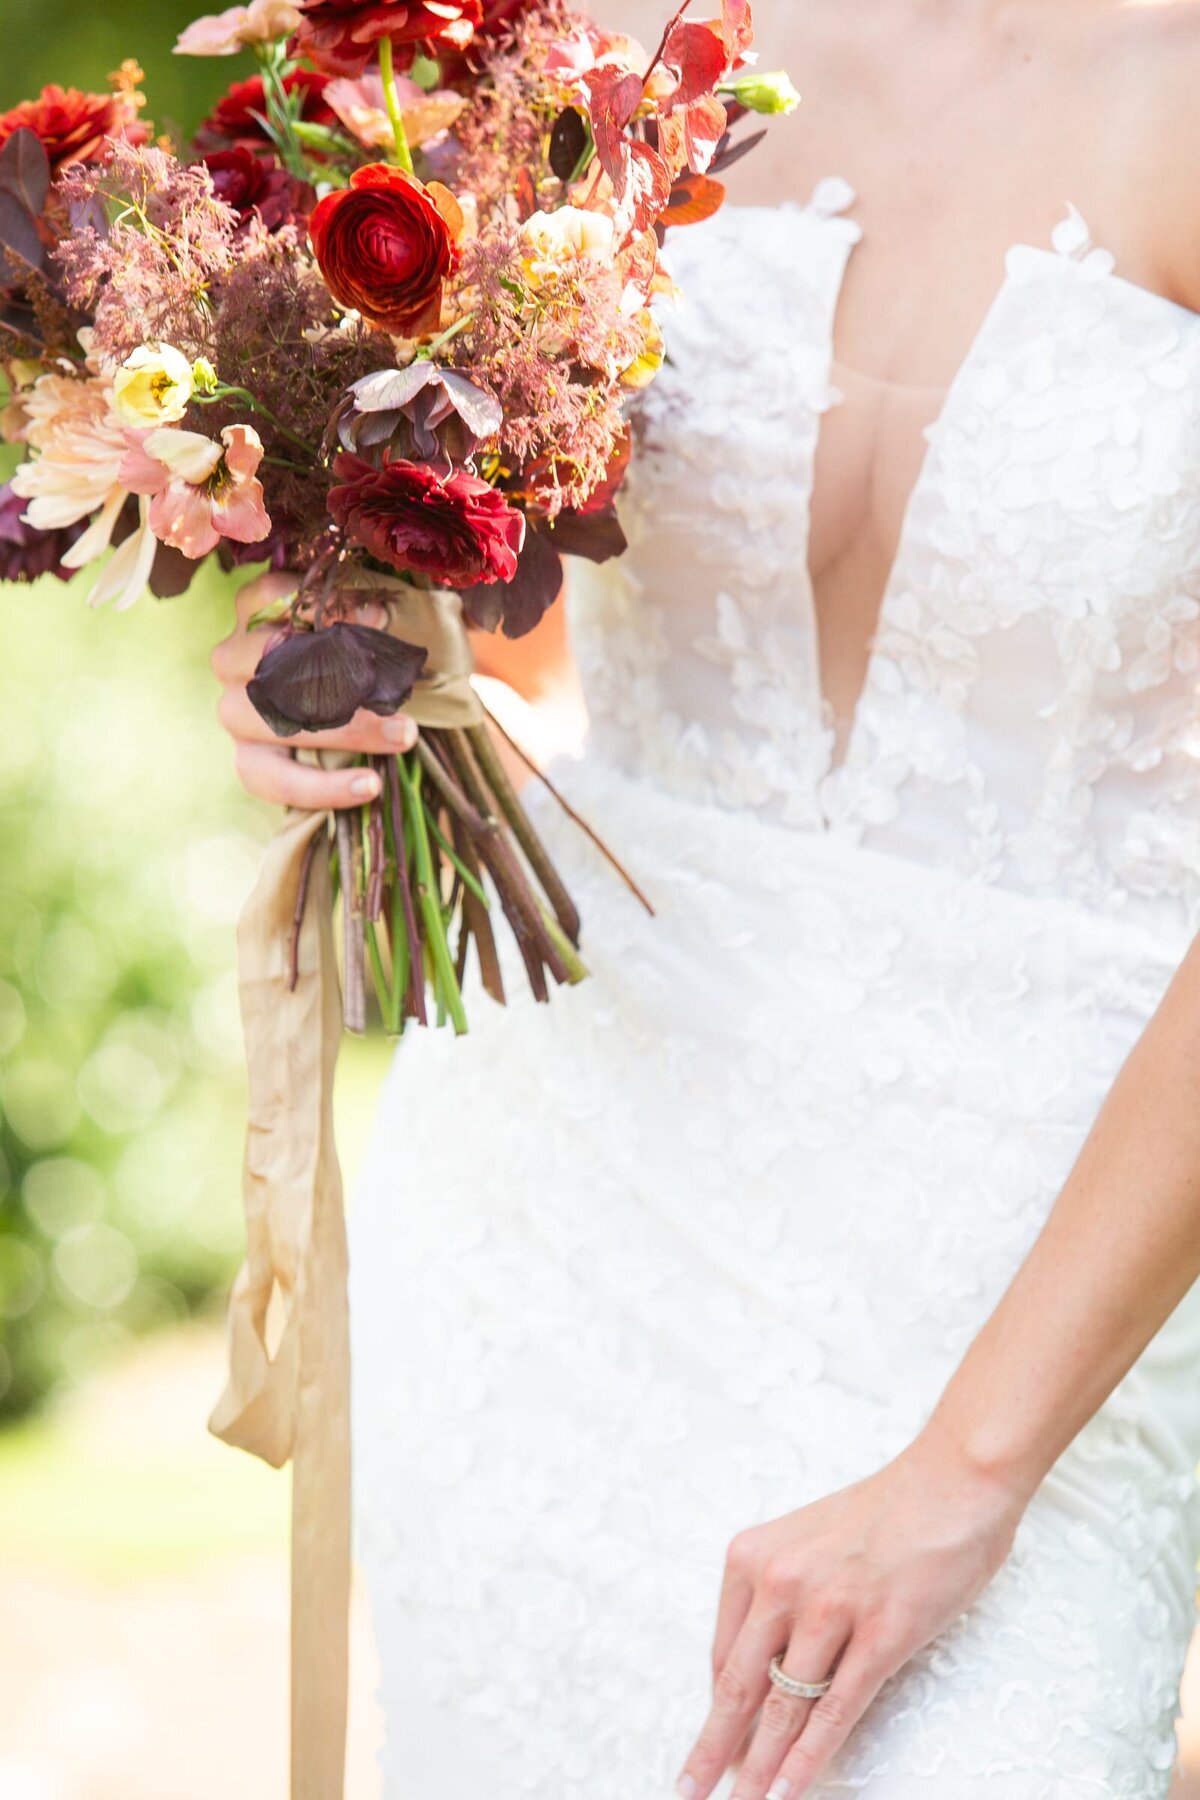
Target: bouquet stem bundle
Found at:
410, 868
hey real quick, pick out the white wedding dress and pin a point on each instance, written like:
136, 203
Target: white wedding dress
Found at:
704, 1239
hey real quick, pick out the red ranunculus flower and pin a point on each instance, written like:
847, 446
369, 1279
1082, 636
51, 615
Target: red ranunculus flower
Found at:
385, 248
343, 36
257, 184
72, 126
460, 531
233, 119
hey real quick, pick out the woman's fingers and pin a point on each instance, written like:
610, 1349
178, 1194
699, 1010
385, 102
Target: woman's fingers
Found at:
367, 732
738, 1692
737, 1592
859, 1678
271, 773
809, 1658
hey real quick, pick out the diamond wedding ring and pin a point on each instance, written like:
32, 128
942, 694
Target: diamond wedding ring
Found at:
799, 1690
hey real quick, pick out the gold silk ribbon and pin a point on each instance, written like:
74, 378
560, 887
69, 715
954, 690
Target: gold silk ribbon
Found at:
292, 1400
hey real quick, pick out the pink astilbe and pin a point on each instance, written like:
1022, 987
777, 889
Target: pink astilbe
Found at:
149, 276
553, 360
511, 103
201, 491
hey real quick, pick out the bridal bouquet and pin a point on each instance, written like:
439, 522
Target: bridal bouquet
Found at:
381, 326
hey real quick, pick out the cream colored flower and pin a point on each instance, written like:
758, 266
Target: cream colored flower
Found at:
80, 444
557, 239
224, 34
153, 385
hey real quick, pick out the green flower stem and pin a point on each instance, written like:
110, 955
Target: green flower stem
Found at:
452, 855
391, 99
412, 990
429, 350
576, 968
430, 900
521, 826
240, 393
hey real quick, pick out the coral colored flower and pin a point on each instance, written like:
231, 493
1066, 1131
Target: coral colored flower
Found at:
461, 532
343, 36
153, 386
237, 116
201, 491
360, 106
76, 475
385, 248
73, 126
225, 33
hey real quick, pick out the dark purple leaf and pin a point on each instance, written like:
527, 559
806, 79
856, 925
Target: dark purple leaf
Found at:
172, 573
318, 680
595, 535
19, 237
520, 604
568, 141
729, 153
25, 170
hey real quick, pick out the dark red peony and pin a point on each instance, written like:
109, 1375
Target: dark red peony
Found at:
72, 126
233, 119
343, 36
385, 247
460, 532
257, 184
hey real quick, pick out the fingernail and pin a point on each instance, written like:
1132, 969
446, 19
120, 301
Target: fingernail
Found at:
687, 1787
397, 731
781, 1790
365, 787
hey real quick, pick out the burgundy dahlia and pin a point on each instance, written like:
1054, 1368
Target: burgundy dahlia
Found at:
237, 117
257, 184
460, 531
342, 36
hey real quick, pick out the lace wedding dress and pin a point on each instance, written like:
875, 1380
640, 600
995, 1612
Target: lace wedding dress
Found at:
704, 1239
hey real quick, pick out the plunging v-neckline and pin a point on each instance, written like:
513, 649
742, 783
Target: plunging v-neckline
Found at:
821, 219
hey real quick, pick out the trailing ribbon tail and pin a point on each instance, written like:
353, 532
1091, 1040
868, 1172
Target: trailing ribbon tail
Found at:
295, 1402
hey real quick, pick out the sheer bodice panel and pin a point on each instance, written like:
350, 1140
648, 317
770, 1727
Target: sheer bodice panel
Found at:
1030, 714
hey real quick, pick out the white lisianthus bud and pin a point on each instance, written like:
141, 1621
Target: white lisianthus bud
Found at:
153, 385
763, 91
204, 377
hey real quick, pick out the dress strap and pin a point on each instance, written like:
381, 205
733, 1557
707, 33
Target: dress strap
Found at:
1072, 239
831, 199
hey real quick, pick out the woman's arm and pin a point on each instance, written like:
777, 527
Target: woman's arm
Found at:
868, 1578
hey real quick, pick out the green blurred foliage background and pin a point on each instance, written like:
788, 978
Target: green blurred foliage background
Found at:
125, 851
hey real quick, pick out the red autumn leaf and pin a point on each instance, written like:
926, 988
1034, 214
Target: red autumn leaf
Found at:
647, 186
738, 26
614, 95
696, 56
693, 199
705, 122
526, 195
638, 262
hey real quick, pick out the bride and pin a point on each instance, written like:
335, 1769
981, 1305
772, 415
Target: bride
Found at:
808, 1294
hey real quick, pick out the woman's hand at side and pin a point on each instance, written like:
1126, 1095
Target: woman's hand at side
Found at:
264, 762
853, 1586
